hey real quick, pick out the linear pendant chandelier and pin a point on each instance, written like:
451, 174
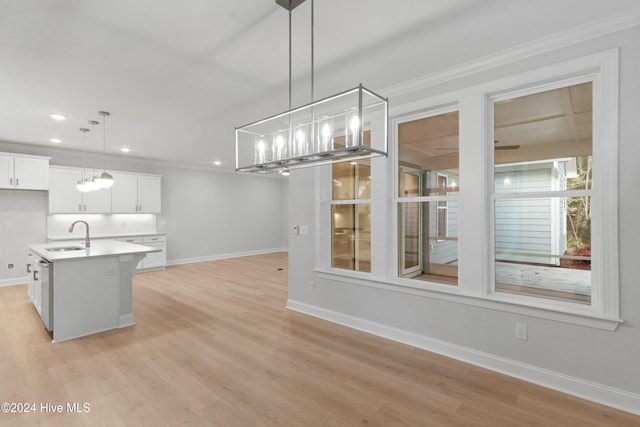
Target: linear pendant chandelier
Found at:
348, 126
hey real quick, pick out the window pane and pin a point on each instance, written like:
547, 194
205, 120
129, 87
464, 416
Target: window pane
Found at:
428, 241
351, 180
410, 213
430, 145
351, 237
543, 247
543, 142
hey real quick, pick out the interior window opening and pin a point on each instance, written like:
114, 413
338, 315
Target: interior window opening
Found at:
351, 216
427, 204
542, 184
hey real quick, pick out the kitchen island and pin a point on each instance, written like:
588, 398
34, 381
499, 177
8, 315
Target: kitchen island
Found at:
89, 290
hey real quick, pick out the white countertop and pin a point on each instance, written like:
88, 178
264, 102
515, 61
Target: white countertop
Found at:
98, 236
99, 248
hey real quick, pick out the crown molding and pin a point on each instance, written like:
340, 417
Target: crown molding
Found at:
562, 39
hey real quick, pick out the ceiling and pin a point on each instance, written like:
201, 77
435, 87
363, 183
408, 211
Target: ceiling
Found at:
545, 125
178, 76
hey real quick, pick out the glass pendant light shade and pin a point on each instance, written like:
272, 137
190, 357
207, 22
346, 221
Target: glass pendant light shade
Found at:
82, 186
91, 183
104, 180
348, 126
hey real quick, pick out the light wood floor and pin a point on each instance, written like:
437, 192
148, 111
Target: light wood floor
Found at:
214, 345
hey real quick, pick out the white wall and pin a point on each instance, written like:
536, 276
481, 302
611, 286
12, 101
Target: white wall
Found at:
206, 214
22, 221
598, 364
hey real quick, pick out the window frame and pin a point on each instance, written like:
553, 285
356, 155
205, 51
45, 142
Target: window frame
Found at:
551, 194
356, 203
604, 231
444, 206
476, 253
430, 111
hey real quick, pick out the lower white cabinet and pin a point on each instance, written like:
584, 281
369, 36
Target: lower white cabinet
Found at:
33, 281
153, 260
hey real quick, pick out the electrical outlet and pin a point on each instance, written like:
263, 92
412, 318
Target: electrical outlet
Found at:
521, 331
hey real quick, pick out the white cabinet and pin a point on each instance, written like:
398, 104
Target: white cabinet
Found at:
135, 193
22, 172
34, 289
153, 260
64, 197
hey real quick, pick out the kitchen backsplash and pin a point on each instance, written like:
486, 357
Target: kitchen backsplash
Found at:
100, 225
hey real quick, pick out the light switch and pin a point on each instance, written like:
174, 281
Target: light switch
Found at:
304, 230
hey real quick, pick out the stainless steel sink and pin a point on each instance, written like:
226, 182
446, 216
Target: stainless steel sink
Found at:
65, 248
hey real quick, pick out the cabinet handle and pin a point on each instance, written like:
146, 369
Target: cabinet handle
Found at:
11, 182
35, 275
85, 207
80, 207
17, 182
28, 268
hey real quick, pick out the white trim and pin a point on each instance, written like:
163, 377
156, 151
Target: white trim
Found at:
557, 311
350, 202
14, 281
602, 69
590, 390
180, 261
543, 194
562, 39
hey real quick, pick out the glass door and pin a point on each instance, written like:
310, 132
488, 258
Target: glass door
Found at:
410, 216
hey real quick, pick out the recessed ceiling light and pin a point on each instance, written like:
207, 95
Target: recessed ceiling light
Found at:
125, 149
55, 140
58, 116
217, 163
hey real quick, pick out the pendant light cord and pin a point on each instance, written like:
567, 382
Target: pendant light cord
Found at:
289, 61
104, 141
93, 123
312, 49
84, 152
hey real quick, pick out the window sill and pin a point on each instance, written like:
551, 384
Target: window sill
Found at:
533, 307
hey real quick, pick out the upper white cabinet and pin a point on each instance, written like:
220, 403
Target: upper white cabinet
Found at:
23, 172
136, 193
64, 197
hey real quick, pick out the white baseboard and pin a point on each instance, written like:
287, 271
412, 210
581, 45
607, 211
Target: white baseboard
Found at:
224, 256
610, 396
126, 320
14, 281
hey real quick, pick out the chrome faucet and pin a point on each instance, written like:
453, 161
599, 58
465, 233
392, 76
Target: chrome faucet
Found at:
87, 243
